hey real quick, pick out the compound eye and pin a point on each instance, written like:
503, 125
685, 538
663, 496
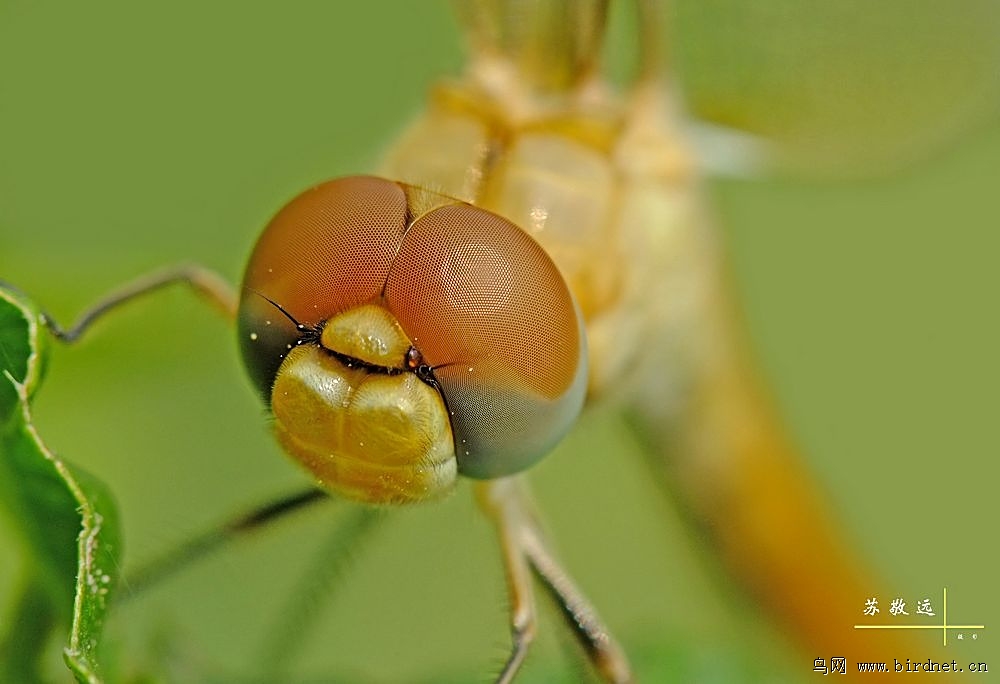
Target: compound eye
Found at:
490, 313
325, 252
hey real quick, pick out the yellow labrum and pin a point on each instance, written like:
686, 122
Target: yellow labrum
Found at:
366, 433
367, 333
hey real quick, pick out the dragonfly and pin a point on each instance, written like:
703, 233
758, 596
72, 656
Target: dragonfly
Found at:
699, 361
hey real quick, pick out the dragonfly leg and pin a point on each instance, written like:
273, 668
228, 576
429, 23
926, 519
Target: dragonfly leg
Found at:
601, 648
314, 591
509, 517
525, 552
206, 283
217, 537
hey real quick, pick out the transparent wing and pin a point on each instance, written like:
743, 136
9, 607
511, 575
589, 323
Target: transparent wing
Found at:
841, 87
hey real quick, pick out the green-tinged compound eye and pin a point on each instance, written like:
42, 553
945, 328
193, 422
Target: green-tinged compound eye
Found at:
403, 338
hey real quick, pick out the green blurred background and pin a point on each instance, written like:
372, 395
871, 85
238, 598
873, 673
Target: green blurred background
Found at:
134, 136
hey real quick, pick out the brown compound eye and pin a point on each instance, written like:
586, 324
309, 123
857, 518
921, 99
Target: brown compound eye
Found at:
491, 314
402, 337
325, 252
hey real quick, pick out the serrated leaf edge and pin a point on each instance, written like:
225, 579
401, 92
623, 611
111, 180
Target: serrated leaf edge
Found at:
90, 520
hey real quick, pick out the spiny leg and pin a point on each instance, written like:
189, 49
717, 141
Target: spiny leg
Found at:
206, 283
601, 648
524, 548
200, 546
499, 500
332, 559
286, 636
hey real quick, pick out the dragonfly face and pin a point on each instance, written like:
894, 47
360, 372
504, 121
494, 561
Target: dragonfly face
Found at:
402, 337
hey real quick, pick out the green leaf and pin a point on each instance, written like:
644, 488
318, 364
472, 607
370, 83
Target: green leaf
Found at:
66, 520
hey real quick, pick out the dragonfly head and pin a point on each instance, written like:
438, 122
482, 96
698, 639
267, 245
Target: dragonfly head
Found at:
403, 338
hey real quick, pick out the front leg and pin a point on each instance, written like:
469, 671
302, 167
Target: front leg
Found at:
525, 550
